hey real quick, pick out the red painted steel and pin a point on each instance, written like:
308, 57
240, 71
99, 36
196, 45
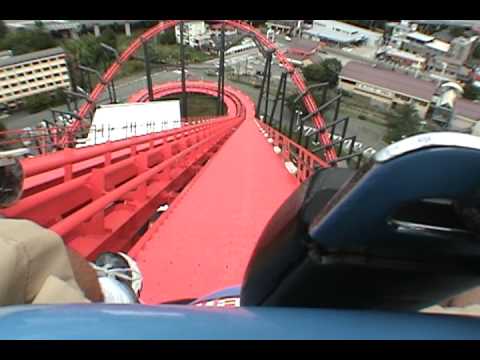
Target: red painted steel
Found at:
114, 189
296, 76
305, 161
204, 240
107, 206
103, 197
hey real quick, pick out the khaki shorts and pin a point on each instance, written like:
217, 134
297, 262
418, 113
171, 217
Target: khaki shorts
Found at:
34, 266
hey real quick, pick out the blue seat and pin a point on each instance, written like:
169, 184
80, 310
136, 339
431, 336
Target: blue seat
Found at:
398, 234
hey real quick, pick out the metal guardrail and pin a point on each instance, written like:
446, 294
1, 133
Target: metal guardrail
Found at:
84, 194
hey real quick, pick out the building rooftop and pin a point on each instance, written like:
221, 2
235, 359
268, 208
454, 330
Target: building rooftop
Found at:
303, 45
283, 22
389, 79
333, 35
405, 55
398, 25
420, 37
31, 56
296, 56
347, 27
467, 108
218, 26
439, 45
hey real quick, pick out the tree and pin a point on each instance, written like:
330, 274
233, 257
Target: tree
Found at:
3, 29
404, 122
109, 37
39, 24
87, 50
476, 52
456, 31
25, 41
471, 92
167, 37
327, 71
38, 103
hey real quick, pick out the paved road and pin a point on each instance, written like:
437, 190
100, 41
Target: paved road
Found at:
366, 132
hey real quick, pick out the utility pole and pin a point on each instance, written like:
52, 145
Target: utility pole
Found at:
182, 61
148, 73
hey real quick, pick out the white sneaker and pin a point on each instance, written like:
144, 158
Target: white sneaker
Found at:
114, 269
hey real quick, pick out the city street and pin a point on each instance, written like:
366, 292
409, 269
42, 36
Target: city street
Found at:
251, 61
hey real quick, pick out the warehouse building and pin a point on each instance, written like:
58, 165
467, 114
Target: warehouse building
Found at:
390, 89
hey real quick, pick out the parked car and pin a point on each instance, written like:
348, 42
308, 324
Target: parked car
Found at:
369, 152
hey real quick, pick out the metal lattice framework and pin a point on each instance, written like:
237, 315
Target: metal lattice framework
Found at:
295, 75
114, 189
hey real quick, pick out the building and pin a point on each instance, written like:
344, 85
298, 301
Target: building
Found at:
386, 87
342, 34
284, 26
195, 34
461, 48
404, 36
449, 68
303, 47
297, 59
391, 88
424, 45
216, 29
466, 115
402, 58
395, 33
31, 74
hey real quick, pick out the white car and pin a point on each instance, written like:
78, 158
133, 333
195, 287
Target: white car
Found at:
357, 146
347, 143
288, 38
336, 137
347, 49
369, 152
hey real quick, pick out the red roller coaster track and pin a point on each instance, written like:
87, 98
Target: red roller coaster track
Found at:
105, 197
296, 76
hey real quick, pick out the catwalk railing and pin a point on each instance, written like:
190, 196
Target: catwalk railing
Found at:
104, 196
296, 76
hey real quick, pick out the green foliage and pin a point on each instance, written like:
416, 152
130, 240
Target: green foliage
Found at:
368, 24
39, 24
25, 41
404, 122
456, 31
87, 50
476, 52
167, 37
3, 136
109, 37
170, 54
44, 101
38, 103
3, 29
326, 71
131, 67
471, 92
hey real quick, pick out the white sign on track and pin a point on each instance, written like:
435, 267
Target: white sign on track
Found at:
121, 121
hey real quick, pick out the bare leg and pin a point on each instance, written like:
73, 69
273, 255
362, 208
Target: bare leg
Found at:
469, 297
85, 276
